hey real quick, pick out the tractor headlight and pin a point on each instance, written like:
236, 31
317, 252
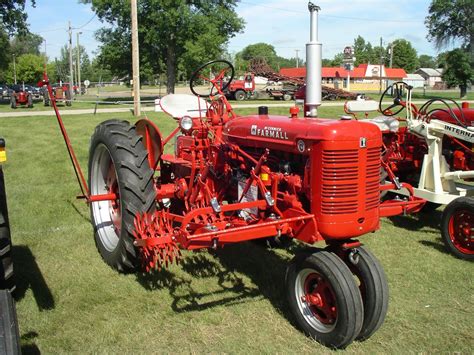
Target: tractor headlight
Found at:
186, 123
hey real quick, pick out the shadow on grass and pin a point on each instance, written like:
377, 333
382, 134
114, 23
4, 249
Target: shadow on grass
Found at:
418, 221
439, 246
265, 268
29, 348
28, 276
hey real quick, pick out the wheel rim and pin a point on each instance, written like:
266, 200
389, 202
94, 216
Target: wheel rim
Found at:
107, 214
460, 231
316, 300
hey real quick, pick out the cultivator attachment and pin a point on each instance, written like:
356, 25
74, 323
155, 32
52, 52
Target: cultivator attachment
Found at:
155, 238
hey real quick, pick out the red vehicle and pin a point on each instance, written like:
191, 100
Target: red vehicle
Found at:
234, 179
20, 96
241, 89
60, 92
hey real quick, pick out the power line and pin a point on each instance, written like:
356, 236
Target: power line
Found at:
332, 16
84, 25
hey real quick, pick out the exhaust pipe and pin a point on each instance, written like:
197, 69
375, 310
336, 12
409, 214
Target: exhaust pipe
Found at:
313, 65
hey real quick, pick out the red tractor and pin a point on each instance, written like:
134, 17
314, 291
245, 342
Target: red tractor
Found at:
233, 179
241, 89
433, 151
20, 96
60, 92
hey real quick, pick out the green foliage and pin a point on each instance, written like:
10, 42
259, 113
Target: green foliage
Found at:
172, 34
266, 52
426, 61
363, 51
458, 70
404, 55
28, 43
449, 20
13, 15
29, 69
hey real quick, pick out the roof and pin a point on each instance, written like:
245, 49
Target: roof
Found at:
339, 72
428, 71
415, 77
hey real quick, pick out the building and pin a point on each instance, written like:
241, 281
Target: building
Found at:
431, 76
415, 80
363, 77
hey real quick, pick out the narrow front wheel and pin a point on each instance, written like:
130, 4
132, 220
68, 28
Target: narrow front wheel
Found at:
324, 298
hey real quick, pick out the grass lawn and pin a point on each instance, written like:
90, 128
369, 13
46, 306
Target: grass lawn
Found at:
228, 301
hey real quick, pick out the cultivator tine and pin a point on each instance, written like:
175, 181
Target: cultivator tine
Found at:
160, 249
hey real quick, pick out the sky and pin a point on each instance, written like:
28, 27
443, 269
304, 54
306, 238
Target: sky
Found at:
281, 23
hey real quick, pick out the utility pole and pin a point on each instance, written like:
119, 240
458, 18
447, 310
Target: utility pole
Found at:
380, 68
391, 53
71, 78
78, 66
297, 60
135, 61
14, 68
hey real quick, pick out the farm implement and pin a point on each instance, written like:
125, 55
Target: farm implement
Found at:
239, 178
432, 148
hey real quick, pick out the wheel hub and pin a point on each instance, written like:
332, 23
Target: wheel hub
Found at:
460, 231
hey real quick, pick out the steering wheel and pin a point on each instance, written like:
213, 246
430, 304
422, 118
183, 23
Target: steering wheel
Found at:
395, 90
222, 68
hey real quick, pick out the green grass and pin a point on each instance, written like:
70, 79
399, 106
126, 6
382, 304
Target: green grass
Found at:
229, 301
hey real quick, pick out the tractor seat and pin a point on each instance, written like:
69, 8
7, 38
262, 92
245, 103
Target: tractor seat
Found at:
179, 105
386, 124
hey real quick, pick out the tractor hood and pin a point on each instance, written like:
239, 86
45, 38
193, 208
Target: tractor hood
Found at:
295, 134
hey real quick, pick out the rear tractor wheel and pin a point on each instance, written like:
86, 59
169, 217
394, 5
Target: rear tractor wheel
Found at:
457, 225
118, 163
324, 298
239, 95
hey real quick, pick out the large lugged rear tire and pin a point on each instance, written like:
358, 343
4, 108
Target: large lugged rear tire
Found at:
9, 333
7, 280
457, 226
118, 163
324, 298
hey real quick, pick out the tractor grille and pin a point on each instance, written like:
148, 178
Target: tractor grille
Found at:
339, 181
372, 184
342, 171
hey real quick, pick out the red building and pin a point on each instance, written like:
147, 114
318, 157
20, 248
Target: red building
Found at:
363, 73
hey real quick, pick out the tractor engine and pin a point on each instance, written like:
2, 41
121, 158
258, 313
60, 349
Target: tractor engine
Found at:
329, 168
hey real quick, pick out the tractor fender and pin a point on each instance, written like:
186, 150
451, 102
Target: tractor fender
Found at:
152, 140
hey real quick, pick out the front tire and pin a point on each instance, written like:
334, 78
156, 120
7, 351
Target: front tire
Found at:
373, 288
7, 280
457, 226
324, 298
118, 163
239, 95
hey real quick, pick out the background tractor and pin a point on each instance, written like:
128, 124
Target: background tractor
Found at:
20, 96
432, 148
60, 92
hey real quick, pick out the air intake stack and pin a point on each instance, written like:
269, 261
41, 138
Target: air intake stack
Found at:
313, 65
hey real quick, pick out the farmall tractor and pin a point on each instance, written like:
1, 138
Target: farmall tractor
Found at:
234, 179
20, 96
433, 150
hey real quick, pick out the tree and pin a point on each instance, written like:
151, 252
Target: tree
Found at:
13, 15
257, 51
458, 70
27, 43
426, 61
167, 29
404, 55
363, 51
449, 20
29, 69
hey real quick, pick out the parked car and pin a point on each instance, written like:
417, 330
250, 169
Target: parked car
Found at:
5, 91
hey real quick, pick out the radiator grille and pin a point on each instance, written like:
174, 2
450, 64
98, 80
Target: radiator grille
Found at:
339, 176
341, 173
